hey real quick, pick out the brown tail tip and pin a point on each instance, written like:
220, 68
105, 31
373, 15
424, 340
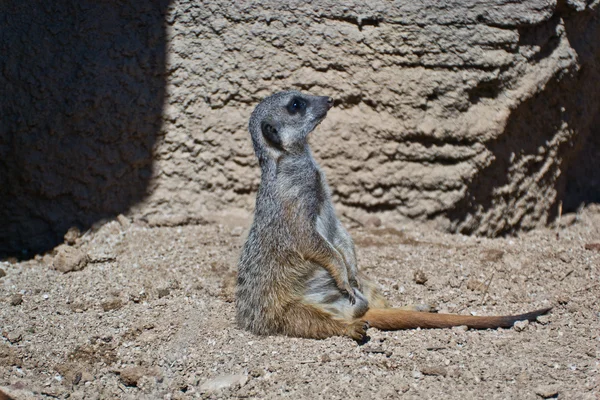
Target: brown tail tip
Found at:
530, 316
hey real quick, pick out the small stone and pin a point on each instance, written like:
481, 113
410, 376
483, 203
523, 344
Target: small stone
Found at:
386, 392
461, 328
86, 377
417, 374
547, 391
562, 299
543, 319
257, 372
592, 353
374, 350
325, 358
402, 388
434, 371
520, 326
136, 298
566, 258
2, 273
110, 305
222, 382
130, 376
592, 246
123, 220
373, 221
476, 285
163, 292
70, 259
420, 277
72, 235
378, 192
237, 231
13, 337
16, 299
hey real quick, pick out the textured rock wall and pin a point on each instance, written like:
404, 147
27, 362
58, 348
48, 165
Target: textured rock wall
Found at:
476, 114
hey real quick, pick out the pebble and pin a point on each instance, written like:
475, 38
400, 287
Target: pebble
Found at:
257, 372
163, 292
13, 337
373, 222
130, 376
114, 304
434, 371
2, 273
420, 277
70, 259
222, 382
547, 391
521, 325
72, 235
16, 299
123, 220
476, 285
461, 328
592, 246
543, 319
237, 231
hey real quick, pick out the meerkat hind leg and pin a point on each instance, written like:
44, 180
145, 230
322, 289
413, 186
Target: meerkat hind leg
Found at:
309, 321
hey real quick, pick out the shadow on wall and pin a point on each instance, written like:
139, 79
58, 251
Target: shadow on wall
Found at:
570, 104
581, 182
83, 84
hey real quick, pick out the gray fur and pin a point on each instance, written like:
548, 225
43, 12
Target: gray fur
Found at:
294, 225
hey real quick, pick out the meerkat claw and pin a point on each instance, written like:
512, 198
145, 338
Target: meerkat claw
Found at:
351, 296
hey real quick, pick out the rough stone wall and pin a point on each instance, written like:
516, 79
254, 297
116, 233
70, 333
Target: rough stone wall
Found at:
464, 111
476, 114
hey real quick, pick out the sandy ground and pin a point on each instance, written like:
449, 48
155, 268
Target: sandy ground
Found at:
151, 315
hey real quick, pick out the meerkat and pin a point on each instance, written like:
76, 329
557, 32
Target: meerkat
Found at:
297, 273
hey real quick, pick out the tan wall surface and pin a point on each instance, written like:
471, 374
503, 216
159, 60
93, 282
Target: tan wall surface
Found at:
482, 116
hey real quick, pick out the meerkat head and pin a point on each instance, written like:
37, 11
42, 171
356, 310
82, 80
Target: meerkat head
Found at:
280, 124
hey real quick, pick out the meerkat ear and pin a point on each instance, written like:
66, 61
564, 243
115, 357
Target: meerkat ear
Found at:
271, 135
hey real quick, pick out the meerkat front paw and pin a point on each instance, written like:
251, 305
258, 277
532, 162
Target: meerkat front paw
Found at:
357, 330
354, 282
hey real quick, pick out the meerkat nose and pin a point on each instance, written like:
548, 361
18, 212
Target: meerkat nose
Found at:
330, 102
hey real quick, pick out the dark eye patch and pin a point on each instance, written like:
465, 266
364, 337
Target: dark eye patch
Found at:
296, 105
271, 135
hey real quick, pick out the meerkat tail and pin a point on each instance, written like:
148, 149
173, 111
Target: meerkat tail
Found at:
4, 396
389, 319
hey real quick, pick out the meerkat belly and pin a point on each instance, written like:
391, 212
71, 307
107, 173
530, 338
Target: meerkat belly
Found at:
322, 292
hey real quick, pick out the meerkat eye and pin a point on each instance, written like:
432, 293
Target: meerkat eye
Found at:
296, 105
